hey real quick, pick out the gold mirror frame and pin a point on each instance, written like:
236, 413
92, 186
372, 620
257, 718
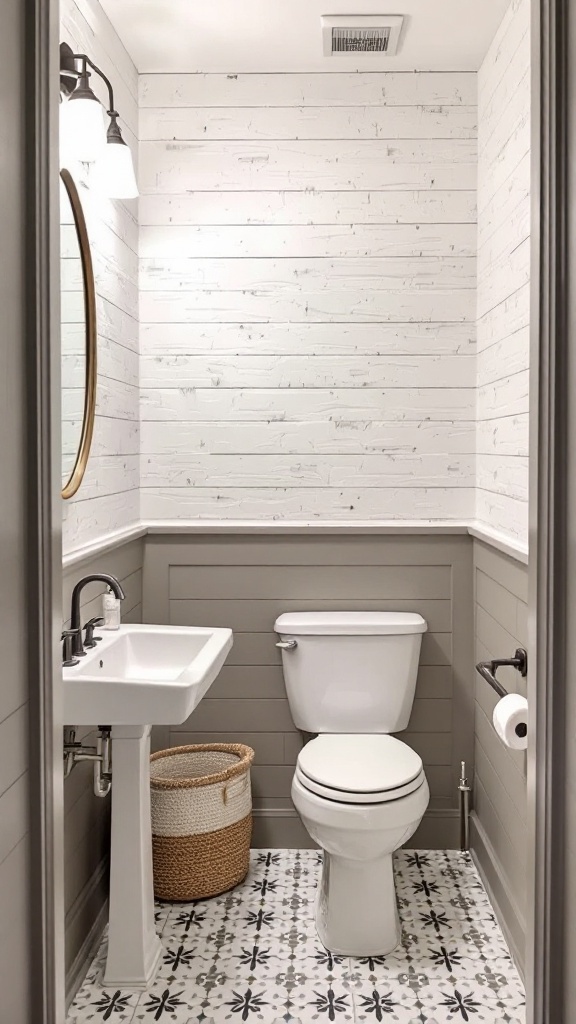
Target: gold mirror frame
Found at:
81, 461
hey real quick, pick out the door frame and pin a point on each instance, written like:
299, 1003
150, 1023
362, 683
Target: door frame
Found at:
548, 569
548, 511
40, 77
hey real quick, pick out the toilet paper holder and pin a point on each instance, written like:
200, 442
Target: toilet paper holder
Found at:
487, 669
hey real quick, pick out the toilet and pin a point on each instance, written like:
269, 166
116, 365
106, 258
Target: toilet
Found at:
360, 792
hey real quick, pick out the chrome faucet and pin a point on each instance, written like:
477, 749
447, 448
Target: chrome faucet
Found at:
75, 623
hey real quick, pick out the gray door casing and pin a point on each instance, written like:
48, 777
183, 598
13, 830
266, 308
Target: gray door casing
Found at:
31, 949
29, 426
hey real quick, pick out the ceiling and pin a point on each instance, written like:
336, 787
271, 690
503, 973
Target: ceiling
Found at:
285, 35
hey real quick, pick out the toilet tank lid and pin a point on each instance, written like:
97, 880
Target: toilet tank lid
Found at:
350, 623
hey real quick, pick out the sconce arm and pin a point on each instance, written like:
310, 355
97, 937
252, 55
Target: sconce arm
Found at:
112, 110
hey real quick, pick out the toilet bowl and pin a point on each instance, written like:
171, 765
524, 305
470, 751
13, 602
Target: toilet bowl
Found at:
360, 792
356, 912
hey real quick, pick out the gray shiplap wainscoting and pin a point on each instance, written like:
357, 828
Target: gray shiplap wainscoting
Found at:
87, 818
499, 836
244, 582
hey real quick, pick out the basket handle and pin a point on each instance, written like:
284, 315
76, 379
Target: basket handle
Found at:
234, 788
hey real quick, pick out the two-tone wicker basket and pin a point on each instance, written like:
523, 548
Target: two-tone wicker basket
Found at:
201, 819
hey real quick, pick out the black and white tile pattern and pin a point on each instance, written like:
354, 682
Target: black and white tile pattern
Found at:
253, 955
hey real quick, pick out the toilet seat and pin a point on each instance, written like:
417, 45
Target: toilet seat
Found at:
359, 769
347, 797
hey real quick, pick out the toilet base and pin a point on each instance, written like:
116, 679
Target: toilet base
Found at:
356, 914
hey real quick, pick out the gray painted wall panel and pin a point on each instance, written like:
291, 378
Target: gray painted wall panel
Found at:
511, 857
499, 830
511, 777
14, 816
14, 746
15, 980
245, 582
261, 615
365, 582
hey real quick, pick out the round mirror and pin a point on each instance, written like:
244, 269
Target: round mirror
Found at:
78, 337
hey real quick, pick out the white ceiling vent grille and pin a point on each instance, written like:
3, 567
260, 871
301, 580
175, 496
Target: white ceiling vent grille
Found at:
365, 34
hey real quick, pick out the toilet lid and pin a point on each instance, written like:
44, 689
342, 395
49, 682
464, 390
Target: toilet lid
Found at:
342, 796
370, 766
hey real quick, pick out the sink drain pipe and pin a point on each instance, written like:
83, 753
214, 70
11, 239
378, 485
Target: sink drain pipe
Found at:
464, 791
100, 755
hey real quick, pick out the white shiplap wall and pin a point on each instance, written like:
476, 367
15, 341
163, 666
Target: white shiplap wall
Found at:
503, 276
108, 498
308, 296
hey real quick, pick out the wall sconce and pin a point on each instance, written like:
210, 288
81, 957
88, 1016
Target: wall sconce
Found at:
82, 124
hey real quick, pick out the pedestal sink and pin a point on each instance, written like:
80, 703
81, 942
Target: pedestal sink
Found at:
136, 677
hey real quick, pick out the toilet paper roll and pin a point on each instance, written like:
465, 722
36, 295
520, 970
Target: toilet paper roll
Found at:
510, 719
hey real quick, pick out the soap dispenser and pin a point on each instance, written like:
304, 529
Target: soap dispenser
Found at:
110, 611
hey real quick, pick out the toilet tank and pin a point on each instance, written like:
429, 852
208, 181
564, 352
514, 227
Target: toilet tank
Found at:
350, 671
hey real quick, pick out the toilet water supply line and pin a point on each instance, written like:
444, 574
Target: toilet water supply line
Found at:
100, 755
464, 790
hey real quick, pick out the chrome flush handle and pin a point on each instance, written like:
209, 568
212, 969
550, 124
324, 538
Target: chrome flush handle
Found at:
287, 645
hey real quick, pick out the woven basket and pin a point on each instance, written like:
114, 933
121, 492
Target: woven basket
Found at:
201, 819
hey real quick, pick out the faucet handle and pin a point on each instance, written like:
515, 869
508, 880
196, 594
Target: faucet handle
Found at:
68, 658
90, 640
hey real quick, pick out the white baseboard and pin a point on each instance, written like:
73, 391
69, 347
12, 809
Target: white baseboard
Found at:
510, 917
77, 971
274, 812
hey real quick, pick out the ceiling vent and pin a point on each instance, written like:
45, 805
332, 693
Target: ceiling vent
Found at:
366, 34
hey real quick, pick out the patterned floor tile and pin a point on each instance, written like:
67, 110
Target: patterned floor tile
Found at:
383, 1003
94, 1003
317, 961
195, 919
474, 941
161, 912
435, 926
407, 982
466, 1001
169, 1003
420, 890
260, 1000
327, 1001
254, 955
95, 972
182, 960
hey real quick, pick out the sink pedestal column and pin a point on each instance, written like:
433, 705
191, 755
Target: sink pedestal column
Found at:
134, 949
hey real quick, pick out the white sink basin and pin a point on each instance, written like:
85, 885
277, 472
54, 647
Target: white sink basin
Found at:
144, 675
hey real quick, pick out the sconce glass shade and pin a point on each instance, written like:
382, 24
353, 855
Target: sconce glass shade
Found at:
115, 169
82, 127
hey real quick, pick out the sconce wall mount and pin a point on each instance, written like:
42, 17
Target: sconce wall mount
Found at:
86, 129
